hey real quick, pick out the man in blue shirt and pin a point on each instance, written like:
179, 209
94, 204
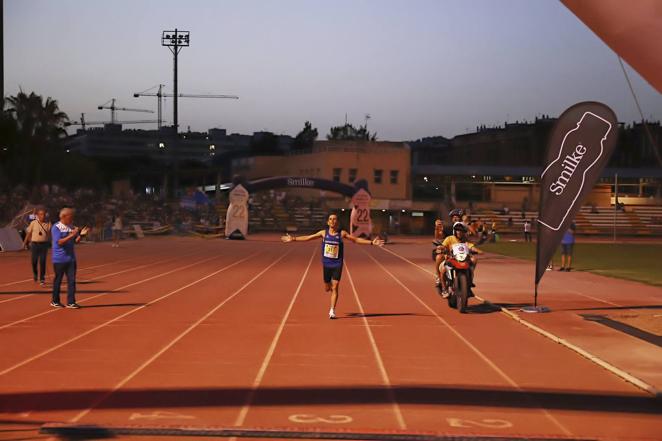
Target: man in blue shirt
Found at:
332, 254
64, 235
567, 244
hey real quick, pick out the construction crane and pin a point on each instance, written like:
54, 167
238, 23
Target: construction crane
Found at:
114, 109
84, 123
160, 95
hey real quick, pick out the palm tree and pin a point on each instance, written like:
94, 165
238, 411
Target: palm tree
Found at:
39, 126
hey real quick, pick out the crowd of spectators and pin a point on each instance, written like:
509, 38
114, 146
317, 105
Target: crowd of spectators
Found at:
99, 211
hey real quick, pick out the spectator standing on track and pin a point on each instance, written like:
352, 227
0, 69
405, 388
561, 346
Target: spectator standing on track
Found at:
38, 236
439, 230
332, 254
65, 236
98, 227
438, 238
527, 230
567, 244
117, 229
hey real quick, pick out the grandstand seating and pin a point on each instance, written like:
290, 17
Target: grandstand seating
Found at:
635, 220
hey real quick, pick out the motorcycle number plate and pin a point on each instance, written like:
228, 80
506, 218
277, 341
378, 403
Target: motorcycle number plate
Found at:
460, 248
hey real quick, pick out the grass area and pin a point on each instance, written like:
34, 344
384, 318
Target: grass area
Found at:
639, 262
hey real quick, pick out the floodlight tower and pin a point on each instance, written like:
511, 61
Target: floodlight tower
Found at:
175, 41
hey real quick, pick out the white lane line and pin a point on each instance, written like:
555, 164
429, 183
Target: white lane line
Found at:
382, 369
87, 299
241, 418
79, 336
180, 336
473, 348
100, 277
596, 299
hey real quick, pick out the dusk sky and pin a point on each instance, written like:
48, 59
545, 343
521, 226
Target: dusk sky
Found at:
419, 68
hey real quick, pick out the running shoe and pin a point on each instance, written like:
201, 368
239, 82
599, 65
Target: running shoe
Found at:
332, 314
437, 282
445, 294
73, 306
42, 283
57, 305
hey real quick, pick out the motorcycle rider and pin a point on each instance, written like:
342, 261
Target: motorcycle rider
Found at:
459, 236
446, 231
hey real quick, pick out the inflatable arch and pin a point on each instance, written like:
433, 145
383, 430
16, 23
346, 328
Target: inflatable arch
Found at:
236, 221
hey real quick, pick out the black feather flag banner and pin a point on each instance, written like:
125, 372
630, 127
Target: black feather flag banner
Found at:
580, 146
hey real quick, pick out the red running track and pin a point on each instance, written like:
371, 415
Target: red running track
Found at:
188, 332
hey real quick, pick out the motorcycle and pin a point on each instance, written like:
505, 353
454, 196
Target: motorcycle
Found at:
457, 273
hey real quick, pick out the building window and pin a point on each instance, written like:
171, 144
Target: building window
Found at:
394, 176
378, 176
336, 174
352, 175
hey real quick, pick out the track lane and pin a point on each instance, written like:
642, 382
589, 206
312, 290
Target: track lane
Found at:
92, 284
208, 373
94, 255
89, 272
317, 364
38, 327
213, 352
582, 397
114, 354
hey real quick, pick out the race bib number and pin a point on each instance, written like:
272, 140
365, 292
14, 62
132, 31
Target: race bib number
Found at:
331, 250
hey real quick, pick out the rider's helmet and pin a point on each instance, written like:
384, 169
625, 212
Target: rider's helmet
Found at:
459, 226
458, 212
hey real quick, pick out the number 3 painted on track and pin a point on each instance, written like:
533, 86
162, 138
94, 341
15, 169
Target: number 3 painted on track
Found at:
310, 419
488, 423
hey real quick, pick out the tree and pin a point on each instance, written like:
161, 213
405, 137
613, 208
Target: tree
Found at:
306, 137
350, 133
39, 129
264, 143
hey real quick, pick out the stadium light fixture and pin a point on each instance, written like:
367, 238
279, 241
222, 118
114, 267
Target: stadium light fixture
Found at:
161, 145
175, 41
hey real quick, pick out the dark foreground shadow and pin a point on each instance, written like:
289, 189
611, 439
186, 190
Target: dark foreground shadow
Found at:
112, 305
616, 308
381, 314
49, 289
512, 305
625, 328
483, 308
316, 395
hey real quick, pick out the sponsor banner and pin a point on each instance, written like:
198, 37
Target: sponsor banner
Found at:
580, 146
300, 182
359, 220
237, 216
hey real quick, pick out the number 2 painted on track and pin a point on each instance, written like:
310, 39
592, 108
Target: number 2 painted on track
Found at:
311, 419
487, 423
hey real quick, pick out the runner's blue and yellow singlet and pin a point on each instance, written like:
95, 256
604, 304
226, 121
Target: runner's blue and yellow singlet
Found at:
332, 249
